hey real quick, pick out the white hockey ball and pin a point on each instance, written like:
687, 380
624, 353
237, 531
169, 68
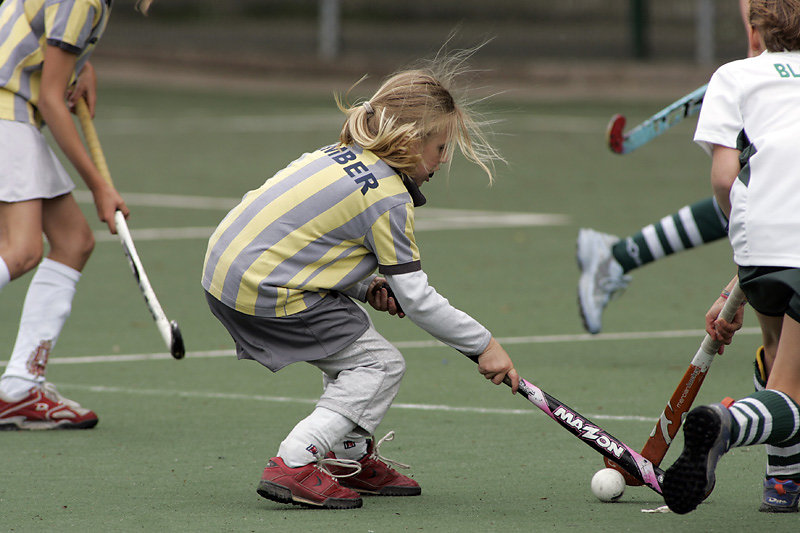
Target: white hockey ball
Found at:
608, 485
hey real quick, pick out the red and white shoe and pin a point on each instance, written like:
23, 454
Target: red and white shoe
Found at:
376, 476
44, 408
312, 485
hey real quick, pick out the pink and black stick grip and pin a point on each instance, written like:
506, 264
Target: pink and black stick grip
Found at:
593, 435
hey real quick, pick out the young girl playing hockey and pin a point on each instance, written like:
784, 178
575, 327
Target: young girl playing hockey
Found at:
44, 69
282, 267
755, 103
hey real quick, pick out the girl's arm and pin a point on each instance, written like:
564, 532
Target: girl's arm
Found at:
56, 74
433, 313
724, 169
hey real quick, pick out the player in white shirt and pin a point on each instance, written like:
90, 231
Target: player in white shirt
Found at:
750, 125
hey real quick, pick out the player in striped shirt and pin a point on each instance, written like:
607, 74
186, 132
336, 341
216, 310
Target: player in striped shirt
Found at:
283, 267
44, 50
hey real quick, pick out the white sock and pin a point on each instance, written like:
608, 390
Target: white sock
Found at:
313, 437
5, 275
13, 389
46, 308
352, 447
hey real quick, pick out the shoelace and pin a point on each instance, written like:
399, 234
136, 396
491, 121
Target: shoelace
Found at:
614, 286
376, 452
323, 464
51, 392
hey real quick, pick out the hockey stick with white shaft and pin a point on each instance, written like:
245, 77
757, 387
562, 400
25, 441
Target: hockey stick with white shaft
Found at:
169, 330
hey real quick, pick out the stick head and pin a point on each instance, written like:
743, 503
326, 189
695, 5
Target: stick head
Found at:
629, 479
614, 134
177, 349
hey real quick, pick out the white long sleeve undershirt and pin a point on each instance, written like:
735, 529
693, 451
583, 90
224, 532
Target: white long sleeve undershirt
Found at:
432, 312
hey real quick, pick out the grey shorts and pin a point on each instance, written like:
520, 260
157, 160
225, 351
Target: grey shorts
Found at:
327, 327
772, 291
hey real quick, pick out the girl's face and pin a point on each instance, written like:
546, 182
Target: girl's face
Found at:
434, 153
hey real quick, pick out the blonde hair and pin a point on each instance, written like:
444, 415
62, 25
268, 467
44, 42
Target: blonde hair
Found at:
143, 6
778, 22
413, 105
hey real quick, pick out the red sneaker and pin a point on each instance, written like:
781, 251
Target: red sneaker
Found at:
44, 408
310, 485
377, 477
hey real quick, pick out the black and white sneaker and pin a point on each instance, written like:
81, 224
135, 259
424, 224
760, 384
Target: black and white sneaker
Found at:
707, 436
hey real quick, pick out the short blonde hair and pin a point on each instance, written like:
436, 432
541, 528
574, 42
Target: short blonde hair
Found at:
411, 106
778, 22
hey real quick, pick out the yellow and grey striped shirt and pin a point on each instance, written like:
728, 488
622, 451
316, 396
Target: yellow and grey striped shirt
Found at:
26, 28
322, 224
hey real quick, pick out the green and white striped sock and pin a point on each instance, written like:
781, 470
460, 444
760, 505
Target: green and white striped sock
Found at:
691, 226
783, 462
765, 417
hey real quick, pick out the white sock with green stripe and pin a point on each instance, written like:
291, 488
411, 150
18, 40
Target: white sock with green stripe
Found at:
765, 417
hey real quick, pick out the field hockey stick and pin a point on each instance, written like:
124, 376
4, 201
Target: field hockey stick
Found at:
593, 435
168, 329
681, 401
624, 143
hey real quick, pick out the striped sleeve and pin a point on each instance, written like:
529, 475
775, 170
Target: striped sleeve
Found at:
391, 239
69, 23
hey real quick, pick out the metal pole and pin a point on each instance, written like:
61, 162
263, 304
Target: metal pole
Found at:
704, 32
639, 20
329, 28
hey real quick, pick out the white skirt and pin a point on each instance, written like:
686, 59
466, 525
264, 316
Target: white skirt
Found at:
28, 167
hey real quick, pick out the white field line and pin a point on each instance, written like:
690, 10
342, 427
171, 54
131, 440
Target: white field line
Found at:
429, 219
403, 345
308, 401
412, 345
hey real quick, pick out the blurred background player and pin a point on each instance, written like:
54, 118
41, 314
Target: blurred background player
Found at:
757, 99
282, 267
605, 260
44, 69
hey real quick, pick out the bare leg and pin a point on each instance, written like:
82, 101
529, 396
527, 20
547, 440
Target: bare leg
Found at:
785, 373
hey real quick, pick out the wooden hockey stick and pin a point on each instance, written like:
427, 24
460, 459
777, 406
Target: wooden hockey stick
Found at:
681, 401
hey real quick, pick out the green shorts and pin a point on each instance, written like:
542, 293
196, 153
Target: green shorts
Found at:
772, 291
